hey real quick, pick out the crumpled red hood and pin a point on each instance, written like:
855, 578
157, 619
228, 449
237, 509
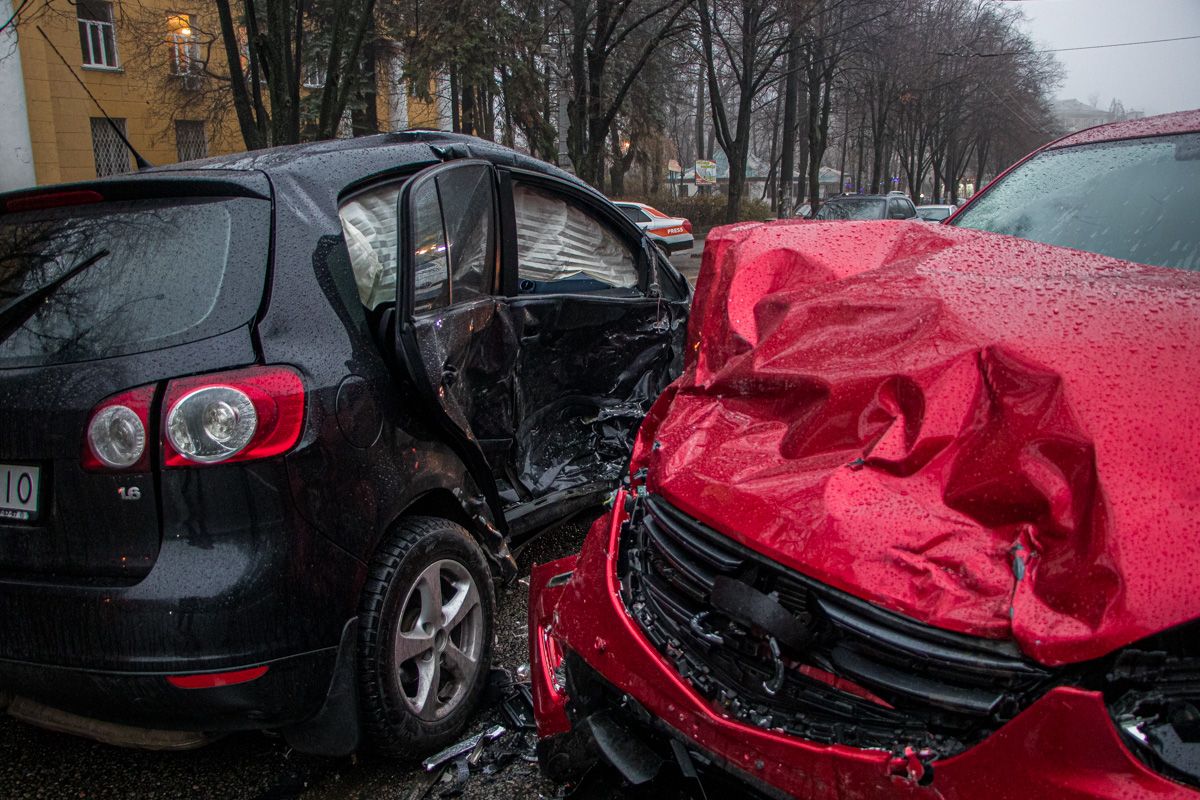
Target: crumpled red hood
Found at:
991, 435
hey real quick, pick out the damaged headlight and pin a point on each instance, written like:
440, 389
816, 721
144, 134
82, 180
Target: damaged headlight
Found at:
1155, 703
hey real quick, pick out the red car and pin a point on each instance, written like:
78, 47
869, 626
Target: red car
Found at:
921, 518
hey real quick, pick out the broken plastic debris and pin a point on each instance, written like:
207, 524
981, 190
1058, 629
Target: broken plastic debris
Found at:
463, 747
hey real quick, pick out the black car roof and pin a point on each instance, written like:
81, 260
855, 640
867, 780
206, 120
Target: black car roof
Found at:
338, 163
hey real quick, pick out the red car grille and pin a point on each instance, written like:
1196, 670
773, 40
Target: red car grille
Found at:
863, 676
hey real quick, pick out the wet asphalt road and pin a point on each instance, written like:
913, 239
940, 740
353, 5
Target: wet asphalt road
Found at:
49, 766
40, 764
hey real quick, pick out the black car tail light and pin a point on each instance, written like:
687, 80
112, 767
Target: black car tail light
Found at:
240, 415
117, 432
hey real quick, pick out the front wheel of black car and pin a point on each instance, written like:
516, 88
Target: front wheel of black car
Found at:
425, 641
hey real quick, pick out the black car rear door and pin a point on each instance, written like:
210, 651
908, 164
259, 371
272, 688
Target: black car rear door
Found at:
452, 334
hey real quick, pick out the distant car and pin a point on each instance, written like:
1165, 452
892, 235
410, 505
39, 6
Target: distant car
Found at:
935, 213
866, 206
669, 234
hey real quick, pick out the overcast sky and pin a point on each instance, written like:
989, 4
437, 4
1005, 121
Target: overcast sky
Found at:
1155, 78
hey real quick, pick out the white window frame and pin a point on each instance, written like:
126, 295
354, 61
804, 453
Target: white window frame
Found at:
93, 33
185, 54
314, 76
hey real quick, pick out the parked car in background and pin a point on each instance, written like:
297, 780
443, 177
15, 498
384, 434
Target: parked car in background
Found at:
669, 234
866, 206
935, 212
919, 518
273, 420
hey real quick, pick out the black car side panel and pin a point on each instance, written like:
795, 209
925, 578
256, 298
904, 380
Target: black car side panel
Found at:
236, 563
373, 453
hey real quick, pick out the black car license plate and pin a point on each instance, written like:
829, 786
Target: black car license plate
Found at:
19, 493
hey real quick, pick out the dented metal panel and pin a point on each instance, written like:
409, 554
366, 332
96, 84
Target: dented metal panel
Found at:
975, 431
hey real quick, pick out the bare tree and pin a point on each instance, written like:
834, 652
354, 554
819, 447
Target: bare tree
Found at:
742, 41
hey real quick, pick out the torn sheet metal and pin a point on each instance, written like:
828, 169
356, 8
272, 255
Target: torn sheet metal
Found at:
976, 431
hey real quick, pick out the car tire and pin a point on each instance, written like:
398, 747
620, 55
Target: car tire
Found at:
425, 636
662, 248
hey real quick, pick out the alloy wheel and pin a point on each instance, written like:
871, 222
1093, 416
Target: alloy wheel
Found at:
438, 640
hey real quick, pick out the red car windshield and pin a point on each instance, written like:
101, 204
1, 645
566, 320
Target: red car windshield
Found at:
1137, 200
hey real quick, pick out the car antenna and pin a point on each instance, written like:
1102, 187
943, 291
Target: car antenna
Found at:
137, 157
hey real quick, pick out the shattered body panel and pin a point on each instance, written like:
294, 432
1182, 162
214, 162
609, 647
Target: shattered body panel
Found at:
964, 428
911, 523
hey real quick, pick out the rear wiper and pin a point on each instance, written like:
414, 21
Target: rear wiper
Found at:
16, 311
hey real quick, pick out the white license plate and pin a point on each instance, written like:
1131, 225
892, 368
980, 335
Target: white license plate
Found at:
19, 492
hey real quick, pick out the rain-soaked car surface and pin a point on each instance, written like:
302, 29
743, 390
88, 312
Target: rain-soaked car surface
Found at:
272, 422
920, 518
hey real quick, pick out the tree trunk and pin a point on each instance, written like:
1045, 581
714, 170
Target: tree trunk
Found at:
769, 184
787, 202
254, 61
455, 116
819, 136
247, 124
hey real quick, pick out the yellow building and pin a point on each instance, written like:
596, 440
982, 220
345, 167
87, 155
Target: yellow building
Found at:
142, 60
133, 58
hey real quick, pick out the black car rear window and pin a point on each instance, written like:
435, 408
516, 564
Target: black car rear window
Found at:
175, 271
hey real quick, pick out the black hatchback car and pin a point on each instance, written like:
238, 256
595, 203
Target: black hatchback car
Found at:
272, 423
867, 206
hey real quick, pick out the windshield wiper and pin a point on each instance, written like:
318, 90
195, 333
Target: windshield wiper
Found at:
16, 311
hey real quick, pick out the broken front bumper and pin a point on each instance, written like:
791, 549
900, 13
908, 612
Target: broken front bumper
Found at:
1063, 745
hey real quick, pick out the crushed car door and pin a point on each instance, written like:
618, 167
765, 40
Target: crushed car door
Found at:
452, 335
601, 319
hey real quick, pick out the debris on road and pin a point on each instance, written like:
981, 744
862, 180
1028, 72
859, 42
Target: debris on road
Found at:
463, 747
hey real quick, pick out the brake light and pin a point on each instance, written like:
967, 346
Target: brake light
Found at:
117, 430
213, 680
240, 415
35, 202
687, 225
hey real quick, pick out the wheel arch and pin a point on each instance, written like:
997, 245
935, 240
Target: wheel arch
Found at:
455, 506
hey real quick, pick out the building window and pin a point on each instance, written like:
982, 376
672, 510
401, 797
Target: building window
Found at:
314, 75
185, 48
97, 35
190, 143
112, 156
